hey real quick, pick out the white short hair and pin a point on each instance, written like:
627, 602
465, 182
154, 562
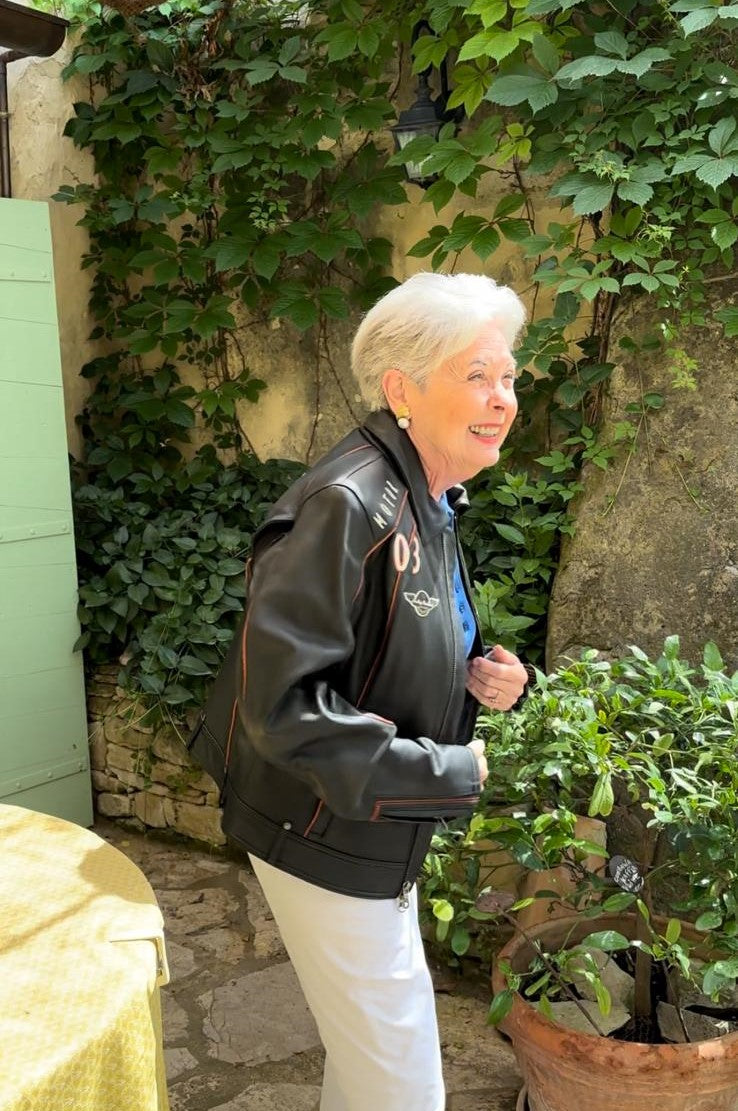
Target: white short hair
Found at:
421, 323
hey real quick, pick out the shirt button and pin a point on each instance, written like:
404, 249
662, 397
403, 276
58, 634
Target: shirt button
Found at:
287, 825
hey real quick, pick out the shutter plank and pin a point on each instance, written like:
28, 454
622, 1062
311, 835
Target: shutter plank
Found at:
43, 732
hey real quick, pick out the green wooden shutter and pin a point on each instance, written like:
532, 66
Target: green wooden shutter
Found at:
43, 732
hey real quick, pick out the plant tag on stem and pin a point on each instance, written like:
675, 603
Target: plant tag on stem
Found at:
625, 873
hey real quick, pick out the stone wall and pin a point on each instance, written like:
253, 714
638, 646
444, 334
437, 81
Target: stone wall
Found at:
655, 550
143, 774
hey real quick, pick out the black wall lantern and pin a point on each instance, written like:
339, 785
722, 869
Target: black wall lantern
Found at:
426, 116
28, 33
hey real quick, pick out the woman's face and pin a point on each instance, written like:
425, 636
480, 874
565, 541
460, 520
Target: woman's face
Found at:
463, 412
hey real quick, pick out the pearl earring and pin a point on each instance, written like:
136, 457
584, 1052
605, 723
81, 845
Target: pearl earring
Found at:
403, 417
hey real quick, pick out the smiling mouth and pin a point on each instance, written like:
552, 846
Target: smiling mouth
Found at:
486, 431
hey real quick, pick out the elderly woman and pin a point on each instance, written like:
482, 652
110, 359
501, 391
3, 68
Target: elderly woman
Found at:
341, 728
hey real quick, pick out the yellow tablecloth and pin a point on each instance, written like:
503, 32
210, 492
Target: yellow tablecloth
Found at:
81, 961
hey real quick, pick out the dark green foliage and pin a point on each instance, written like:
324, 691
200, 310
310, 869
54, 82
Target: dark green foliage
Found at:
241, 151
658, 739
162, 569
511, 534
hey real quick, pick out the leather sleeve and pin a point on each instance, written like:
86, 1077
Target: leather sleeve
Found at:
304, 591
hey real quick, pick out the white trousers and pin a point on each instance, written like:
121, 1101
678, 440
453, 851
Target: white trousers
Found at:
362, 969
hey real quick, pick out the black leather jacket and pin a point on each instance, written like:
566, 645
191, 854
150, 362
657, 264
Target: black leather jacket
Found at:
337, 726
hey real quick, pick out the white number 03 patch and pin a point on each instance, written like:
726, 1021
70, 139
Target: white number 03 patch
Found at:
406, 554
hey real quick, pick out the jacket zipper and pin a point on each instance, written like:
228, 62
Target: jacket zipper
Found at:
453, 622
403, 899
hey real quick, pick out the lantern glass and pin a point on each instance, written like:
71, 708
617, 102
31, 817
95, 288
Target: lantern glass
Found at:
404, 133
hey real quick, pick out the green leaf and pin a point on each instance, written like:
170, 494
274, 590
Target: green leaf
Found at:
368, 41
609, 941
460, 168
507, 205
341, 43
592, 198
696, 21
460, 941
333, 301
545, 53
642, 63
428, 51
514, 89
167, 656
603, 798
509, 532
166, 271
604, 999
118, 468
228, 567
439, 194
140, 81
159, 54
231, 253
711, 657
719, 136
710, 920
138, 592
485, 243
592, 66
515, 230
729, 318
499, 1007
89, 63
290, 49
442, 909
490, 44
162, 160
612, 42
638, 192
571, 393
673, 930
715, 171
265, 258
175, 694
261, 70
620, 901
724, 235
294, 73
191, 665
489, 11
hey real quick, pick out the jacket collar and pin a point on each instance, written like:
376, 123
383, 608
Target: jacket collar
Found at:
381, 429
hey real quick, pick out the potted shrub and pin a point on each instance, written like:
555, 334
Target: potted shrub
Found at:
652, 747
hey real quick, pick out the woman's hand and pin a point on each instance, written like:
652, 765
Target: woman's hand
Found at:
477, 748
497, 680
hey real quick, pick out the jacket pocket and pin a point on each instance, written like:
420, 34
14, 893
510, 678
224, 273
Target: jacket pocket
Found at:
206, 751
320, 820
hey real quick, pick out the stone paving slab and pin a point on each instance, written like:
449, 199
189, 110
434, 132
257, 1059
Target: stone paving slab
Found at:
238, 1035
260, 1017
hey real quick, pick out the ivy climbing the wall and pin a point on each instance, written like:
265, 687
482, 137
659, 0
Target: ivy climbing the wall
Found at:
235, 170
241, 153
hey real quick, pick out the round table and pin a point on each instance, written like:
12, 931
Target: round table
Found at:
82, 958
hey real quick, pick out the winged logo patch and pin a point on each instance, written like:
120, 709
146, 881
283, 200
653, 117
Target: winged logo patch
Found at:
421, 602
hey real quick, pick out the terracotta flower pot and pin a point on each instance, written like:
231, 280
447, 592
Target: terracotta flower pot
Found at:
568, 1071
559, 879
